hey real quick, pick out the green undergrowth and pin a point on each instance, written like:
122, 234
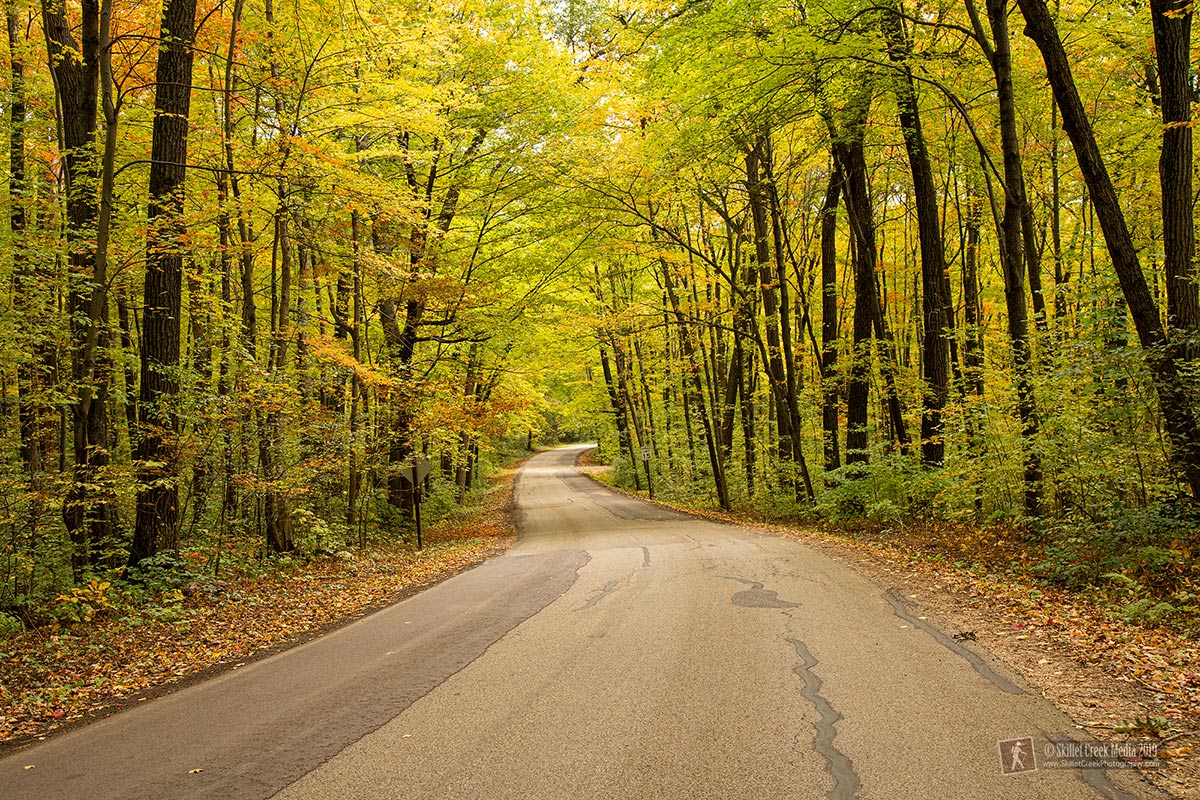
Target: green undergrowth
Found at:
157, 588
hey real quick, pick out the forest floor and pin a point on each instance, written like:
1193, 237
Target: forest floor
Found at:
1116, 679
54, 678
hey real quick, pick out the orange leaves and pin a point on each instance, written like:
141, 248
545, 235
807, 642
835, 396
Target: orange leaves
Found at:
330, 351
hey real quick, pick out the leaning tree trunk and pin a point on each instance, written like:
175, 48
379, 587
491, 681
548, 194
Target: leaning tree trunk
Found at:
1162, 357
692, 367
156, 452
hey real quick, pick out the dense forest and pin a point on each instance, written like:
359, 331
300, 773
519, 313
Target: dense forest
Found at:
844, 261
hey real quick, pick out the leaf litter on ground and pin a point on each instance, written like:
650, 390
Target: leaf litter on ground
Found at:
54, 677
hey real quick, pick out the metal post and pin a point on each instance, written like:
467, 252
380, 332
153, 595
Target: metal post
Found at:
647, 454
416, 488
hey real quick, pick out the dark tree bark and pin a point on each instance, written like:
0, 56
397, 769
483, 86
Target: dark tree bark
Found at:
793, 382
353, 325
1061, 276
742, 324
829, 321
156, 451
1172, 44
692, 368
973, 337
868, 313
1162, 357
89, 509
620, 412
852, 166
774, 312
935, 299
1013, 252
402, 336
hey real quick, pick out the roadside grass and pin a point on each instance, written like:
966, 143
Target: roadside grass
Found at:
109, 646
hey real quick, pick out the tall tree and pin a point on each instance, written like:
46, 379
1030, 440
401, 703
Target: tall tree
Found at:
1162, 356
935, 300
1014, 244
1172, 21
829, 320
89, 511
156, 450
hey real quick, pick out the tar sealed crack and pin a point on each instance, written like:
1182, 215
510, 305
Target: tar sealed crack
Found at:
757, 597
608, 589
900, 608
837, 763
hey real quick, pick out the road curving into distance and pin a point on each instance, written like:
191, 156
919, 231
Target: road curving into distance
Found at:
618, 650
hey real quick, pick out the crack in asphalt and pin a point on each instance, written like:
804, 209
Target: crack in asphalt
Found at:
1099, 781
901, 609
837, 763
756, 596
608, 589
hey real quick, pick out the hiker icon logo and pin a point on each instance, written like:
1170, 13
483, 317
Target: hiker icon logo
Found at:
1016, 755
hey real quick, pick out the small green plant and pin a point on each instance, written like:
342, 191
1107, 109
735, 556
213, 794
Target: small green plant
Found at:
1156, 727
9, 624
1145, 609
84, 603
162, 572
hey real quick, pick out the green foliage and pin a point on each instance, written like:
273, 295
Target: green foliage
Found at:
162, 571
1149, 726
885, 490
1140, 563
9, 624
93, 600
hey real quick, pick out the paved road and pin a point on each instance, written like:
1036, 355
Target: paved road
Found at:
617, 651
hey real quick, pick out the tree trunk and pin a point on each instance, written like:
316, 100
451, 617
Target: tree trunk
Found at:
1172, 44
852, 166
1012, 253
620, 413
829, 321
1161, 356
792, 381
973, 340
935, 300
89, 509
403, 338
692, 367
156, 451
29, 280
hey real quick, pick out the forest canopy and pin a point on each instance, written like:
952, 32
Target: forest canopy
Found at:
848, 261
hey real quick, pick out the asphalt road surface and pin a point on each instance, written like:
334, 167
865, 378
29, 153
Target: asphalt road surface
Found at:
619, 650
